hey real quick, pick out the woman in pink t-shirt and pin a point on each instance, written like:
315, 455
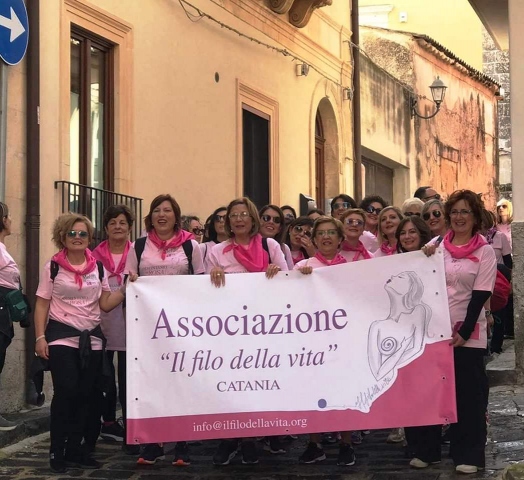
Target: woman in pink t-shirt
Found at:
118, 221
471, 269
388, 221
73, 288
244, 252
298, 239
353, 248
164, 251
272, 226
504, 217
328, 235
213, 233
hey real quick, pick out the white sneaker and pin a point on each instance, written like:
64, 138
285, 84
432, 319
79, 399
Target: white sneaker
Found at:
396, 436
466, 468
418, 463
6, 425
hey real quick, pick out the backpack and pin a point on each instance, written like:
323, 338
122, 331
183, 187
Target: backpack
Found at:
140, 244
54, 267
501, 291
266, 248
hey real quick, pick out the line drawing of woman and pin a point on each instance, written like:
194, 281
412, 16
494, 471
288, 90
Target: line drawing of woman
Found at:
394, 341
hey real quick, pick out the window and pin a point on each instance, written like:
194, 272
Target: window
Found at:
91, 110
256, 156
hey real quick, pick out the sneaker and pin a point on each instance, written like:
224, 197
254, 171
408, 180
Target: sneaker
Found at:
356, 437
329, 438
346, 455
466, 468
152, 452
249, 453
366, 432
274, 446
396, 436
6, 425
57, 463
418, 463
112, 432
312, 454
131, 449
81, 460
227, 449
181, 455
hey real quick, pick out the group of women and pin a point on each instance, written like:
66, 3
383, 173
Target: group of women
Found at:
80, 320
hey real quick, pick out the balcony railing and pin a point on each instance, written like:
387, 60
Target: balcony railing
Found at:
93, 202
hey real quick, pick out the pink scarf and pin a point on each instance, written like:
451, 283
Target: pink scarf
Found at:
336, 261
253, 258
385, 248
466, 250
61, 259
174, 242
360, 249
299, 257
103, 254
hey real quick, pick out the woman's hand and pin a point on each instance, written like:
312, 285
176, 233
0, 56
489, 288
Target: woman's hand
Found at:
42, 349
308, 246
272, 270
306, 270
457, 340
429, 249
133, 277
218, 277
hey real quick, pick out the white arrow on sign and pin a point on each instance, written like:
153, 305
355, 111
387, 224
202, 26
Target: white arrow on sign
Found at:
12, 24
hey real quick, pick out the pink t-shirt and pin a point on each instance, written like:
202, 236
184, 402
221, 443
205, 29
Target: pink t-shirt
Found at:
228, 262
370, 241
205, 249
312, 262
76, 307
349, 255
462, 277
9, 273
505, 228
379, 253
175, 262
114, 322
500, 244
288, 256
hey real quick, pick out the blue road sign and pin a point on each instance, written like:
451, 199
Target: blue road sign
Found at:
14, 31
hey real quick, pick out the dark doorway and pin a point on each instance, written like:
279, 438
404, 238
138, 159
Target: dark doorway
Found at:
255, 141
320, 174
379, 179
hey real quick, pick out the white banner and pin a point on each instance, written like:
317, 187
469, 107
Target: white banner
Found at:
354, 346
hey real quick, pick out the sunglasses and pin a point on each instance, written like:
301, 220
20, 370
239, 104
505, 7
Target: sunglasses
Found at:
412, 214
339, 205
220, 218
354, 222
289, 216
268, 218
503, 206
432, 197
198, 231
301, 231
322, 233
77, 233
374, 210
435, 213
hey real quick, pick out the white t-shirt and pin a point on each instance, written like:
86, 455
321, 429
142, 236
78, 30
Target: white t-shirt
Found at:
500, 244
9, 272
370, 241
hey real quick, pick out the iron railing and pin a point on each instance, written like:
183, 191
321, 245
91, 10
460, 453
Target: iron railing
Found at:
93, 202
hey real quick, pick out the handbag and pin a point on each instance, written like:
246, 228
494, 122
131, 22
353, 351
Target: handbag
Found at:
16, 306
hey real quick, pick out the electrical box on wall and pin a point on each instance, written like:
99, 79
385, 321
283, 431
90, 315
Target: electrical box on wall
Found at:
403, 17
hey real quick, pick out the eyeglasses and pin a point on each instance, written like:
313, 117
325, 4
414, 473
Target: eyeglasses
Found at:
412, 214
462, 213
322, 233
504, 206
354, 222
239, 216
77, 233
301, 230
339, 205
198, 231
374, 210
220, 218
432, 197
435, 213
268, 218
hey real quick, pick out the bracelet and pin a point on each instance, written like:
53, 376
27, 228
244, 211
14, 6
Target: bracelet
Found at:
39, 338
488, 313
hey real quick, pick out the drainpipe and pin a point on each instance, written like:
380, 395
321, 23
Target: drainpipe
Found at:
357, 133
32, 221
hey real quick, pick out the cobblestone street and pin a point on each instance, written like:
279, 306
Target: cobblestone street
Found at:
376, 460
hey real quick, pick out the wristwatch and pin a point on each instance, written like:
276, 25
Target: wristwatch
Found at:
488, 313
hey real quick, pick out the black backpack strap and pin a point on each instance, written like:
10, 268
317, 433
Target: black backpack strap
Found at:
188, 250
100, 266
140, 244
53, 268
266, 248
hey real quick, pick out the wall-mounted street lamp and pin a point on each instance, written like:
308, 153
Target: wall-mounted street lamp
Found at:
438, 91
302, 69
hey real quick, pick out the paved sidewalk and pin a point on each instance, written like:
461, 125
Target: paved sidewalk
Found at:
376, 460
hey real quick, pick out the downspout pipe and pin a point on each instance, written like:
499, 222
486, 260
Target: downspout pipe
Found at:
32, 220
357, 132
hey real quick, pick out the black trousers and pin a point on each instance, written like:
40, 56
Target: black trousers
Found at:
5, 341
424, 442
109, 404
76, 397
497, 335
468, 435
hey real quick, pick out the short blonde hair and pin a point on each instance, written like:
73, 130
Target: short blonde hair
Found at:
253, 213
353, 211
64, 223
411, 202
505, 201
325, 219
380, 234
